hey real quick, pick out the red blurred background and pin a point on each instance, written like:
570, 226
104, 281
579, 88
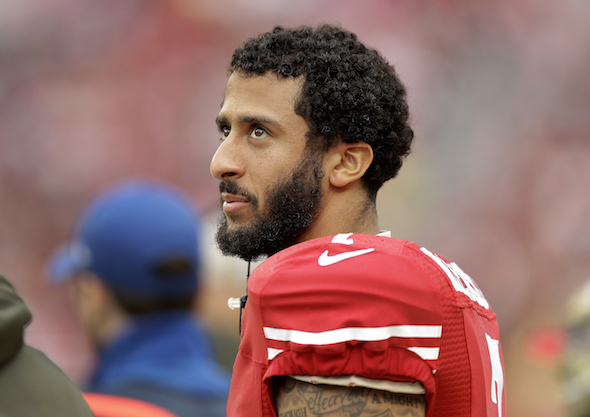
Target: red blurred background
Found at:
93, 92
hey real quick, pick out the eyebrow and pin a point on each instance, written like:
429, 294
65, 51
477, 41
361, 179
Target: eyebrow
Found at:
223, 121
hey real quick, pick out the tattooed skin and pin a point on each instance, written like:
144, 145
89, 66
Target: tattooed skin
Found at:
300, 399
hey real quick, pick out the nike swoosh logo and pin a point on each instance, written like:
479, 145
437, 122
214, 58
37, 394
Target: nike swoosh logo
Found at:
326, 260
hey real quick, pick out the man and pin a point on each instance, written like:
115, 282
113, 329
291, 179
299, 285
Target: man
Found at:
135, 259
338, 321
31, 384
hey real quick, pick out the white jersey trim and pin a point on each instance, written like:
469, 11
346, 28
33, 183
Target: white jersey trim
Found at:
361, 334
348, 334
272, 353
426, 353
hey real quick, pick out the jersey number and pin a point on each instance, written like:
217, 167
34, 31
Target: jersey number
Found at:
464, 284
497, 372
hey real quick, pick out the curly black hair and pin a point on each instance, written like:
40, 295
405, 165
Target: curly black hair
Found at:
350, 92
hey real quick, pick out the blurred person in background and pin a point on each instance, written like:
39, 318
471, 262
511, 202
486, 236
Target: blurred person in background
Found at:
135, 264
31, 385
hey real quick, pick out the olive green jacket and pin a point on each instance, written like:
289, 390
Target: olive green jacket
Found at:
31, 385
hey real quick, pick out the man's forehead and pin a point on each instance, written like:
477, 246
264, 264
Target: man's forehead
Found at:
267, 82
259, 97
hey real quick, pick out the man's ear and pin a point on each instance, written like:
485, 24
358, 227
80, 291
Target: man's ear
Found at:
349, 162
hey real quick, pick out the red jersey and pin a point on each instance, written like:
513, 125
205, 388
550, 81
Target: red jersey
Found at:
373, 307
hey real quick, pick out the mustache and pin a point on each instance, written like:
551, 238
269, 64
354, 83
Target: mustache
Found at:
232, 187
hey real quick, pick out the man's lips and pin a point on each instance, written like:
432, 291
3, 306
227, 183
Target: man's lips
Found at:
233, 202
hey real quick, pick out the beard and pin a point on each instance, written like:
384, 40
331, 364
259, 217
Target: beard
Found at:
291, 207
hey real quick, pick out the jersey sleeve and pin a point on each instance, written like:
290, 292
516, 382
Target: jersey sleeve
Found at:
355, 308
373, 307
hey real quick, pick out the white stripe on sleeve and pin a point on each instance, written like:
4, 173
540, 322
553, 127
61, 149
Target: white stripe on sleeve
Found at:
426, 353
347, 334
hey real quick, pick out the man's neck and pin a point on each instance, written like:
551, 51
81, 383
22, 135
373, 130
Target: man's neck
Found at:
341, 216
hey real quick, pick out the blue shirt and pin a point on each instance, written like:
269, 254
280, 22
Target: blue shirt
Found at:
165, 358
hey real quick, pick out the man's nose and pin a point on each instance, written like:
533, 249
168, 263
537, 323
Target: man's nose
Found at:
225, 164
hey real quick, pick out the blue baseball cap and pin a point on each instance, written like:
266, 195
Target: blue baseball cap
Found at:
127, 234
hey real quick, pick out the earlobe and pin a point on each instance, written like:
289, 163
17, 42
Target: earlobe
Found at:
350, 162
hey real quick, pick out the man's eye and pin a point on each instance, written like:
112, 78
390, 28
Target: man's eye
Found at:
225, 132
258, 132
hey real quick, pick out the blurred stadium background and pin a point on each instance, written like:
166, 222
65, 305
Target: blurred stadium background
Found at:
92, 92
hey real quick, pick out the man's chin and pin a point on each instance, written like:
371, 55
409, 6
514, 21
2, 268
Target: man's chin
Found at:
235, 226
238, 241
243, 218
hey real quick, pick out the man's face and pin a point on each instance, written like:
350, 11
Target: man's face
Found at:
270, 182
